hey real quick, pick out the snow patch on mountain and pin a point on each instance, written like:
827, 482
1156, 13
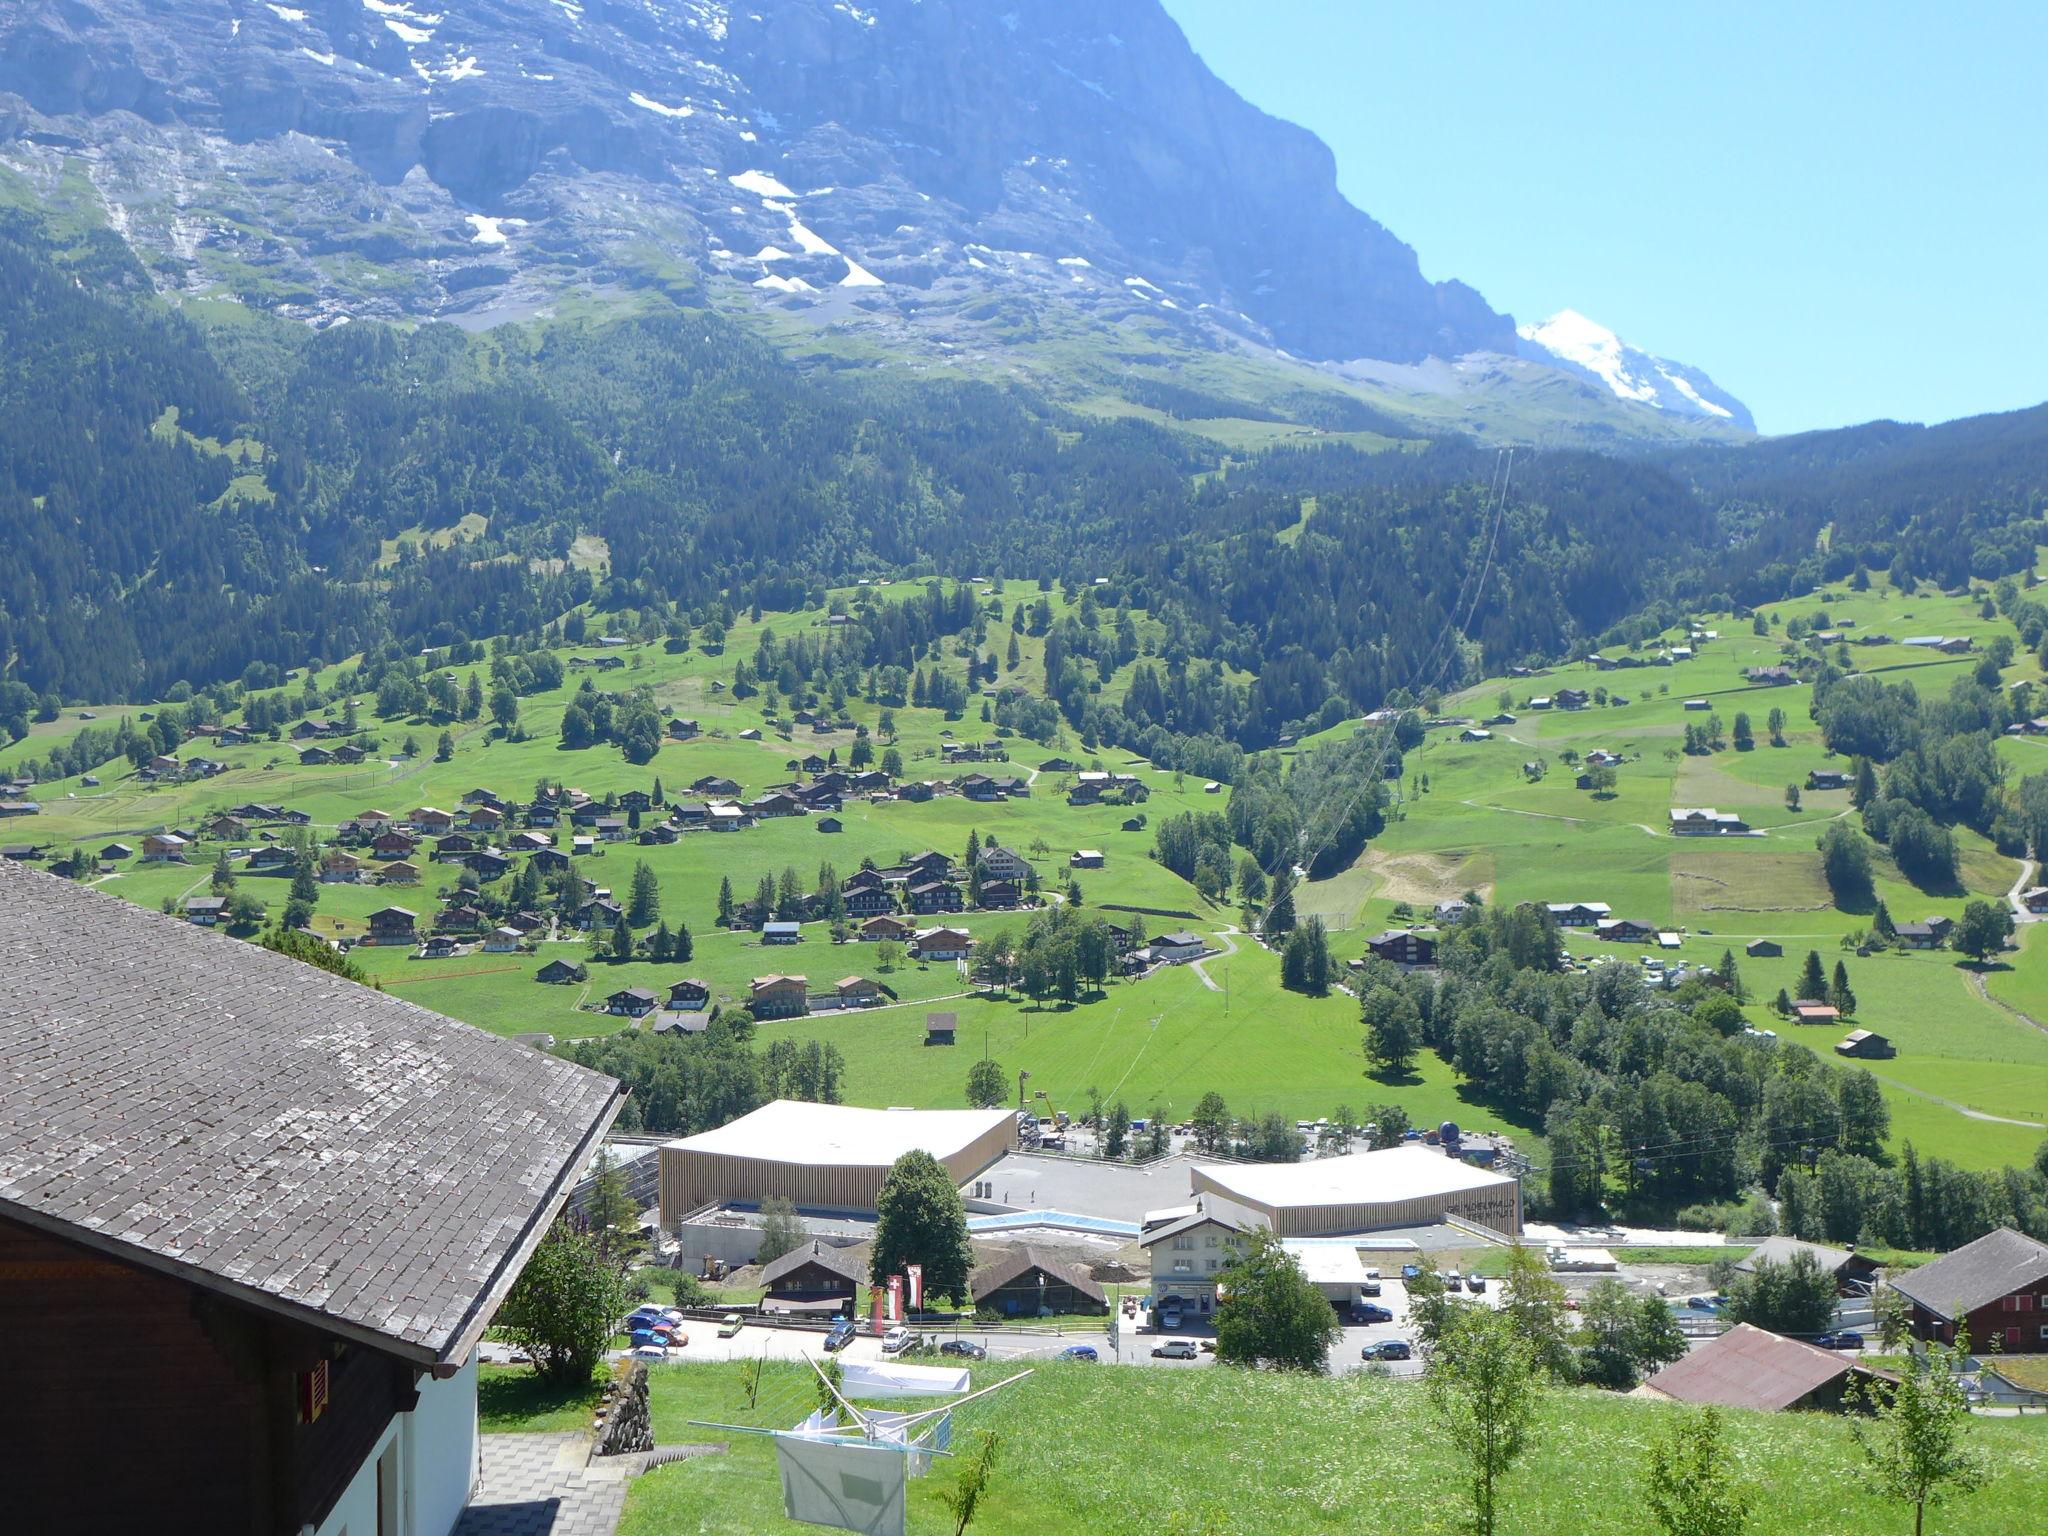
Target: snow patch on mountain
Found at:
1584, 347
761, 184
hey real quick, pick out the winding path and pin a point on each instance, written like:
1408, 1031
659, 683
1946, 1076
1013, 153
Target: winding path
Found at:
1229, 949
1977, 985
2024, 882
1962, 1109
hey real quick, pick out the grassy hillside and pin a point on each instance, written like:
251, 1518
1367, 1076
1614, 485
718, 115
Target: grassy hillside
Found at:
1968, 1083
1205, 1452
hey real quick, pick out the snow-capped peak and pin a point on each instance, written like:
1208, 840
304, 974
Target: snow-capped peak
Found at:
1588, 348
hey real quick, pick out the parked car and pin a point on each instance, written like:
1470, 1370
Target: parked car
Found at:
895, 1341
1387, 1349
1169, 1317
1848, 1338
1453, 1281
1366, 1312
649, 1352
1476, 1285
1175, 1349
1078, 1352
1410, 1271
730, 1324
1369, 1288
966, 1349
839, 1336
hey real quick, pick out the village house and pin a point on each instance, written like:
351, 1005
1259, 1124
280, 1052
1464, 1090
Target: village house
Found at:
399, 872
1826, 778
999, 863
391, 925
502, 941
1577, 914
712, 785
883, 926
631, 1002
1918, 935
1807, 1010
682, 729
935, 896
227, 829
1176, 947
859, 992
1855, 1273
560, 973
611, 829
815, 1279
1774, 677
689, 995
778, 997
941, 944
1572, 698
340, 867
1997, 1287
206, 911
868, 901
432, 821
781, 933
2035, 899
314, 756
1624, 930
1000, 895
1403, 947
1085, 858
164, 848
1750, 1368
440, 946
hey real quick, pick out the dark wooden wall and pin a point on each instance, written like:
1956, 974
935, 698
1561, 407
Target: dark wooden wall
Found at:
134, 1401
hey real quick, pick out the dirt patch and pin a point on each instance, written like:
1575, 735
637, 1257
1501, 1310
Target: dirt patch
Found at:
1746, 880
1431, 877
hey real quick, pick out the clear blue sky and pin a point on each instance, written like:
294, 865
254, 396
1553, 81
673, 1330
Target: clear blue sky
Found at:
1839, 211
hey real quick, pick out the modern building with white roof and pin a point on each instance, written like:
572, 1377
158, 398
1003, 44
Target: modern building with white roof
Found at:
1397, 1187
823, 1156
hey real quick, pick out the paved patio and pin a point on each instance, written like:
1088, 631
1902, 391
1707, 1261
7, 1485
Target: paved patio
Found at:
537, 1485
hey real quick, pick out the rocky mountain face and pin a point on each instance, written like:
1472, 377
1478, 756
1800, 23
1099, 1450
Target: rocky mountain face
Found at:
1587, 348
970, 172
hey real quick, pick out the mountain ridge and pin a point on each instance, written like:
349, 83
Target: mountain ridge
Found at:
935, 175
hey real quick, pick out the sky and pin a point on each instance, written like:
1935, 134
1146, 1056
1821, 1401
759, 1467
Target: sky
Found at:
1839, 212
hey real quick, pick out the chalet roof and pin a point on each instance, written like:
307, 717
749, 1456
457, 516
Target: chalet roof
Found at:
298, 1142
1779, 1250
1976, 1274
1747, 1367
850, 1264
1010, 1267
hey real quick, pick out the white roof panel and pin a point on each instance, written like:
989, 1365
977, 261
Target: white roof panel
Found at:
842, 1136
1363, 1178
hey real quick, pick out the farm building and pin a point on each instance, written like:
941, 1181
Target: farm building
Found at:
823, 1156
1027, 1283
1854, 1272
1758, 949
1400, 1186
1747, 1367
1866, 1043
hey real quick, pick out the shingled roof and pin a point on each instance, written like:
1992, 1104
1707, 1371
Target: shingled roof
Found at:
1748, 1367
255, 1126
1018, 1262
1976, 1274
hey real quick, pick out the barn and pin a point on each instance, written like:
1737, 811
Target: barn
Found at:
1397, 1187
829, 1157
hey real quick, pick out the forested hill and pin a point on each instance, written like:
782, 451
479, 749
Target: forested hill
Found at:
188, 497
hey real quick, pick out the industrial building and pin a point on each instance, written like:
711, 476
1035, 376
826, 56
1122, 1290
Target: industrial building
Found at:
825, 1157
1398, 1187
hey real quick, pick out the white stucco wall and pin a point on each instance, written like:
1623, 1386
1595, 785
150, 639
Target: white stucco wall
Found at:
437, 1458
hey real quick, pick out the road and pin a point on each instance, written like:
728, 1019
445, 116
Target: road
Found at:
1228, 936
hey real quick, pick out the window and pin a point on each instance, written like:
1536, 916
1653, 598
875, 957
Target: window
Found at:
1183, 1243
1213, 1266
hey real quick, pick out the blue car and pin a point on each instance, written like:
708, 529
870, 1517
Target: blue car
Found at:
1366, 1312
1848, 1338
840, 1336
1387, 1349
1410, 1271
1078, 1352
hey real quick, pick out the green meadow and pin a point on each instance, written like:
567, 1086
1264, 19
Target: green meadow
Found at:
1502, 817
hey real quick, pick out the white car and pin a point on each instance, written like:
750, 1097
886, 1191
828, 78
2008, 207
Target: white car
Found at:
894, 1340
649, 1352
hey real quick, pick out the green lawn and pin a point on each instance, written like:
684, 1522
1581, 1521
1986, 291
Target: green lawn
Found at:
1104, 1449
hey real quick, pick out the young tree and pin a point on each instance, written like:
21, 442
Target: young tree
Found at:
977, 1467
1796, 1297
725, 902
1535, 1299
563, 1307
1484, 1387
1273, 1315
681, 946
445, 747
782, 1230
1280, 911
1305, 964
919, 1219
1745, 740
1913, 1439
1774, 722
1791, 797
1116, 1132
988, 1086
1691, 1486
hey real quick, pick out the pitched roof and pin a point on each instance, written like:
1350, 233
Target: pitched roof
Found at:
1018, 1262
1779, 1250
303, 1144
851, 1264
1747, 1367
1976, 1274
